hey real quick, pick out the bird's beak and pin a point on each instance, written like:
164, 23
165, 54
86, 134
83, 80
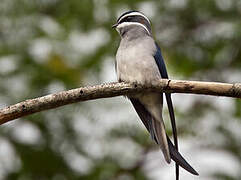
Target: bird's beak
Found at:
115, 25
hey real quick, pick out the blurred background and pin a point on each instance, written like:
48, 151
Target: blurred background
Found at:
50, 46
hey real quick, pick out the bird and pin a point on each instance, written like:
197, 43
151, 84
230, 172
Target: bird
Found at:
139, 60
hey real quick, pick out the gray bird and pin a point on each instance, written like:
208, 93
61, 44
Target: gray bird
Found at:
139, 60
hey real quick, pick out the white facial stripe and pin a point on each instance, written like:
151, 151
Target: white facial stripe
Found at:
135, 14
124, 24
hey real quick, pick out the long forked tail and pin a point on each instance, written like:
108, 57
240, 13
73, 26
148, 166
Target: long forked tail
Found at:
146, 118
177, 157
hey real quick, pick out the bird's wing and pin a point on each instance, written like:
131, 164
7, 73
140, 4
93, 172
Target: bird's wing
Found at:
146, 118
162, 68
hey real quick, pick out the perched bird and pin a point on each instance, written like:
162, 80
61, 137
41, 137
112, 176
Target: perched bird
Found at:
139, 60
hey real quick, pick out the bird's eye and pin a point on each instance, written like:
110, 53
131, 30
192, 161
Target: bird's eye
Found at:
128, 19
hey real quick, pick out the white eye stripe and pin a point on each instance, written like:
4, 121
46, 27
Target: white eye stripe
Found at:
135, 14
124, 24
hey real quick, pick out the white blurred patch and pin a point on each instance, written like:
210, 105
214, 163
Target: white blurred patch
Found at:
206, 129
8, 159
183, 102
148, 8
40, 49
4, 101
107, 73
168, 35
8, 64
101, 12
235, 127
54, 87
91, 77
210, 32
97, 117
155, 165
232, 75
74, 159
225, 30
125, 151
5, 6
213, 161
77, 162
50, 26
87, 43
177, 4
25, 132
94, 147
82, 124
216, 161
55, 126
223, 104
108, 70
224, 4
16, 85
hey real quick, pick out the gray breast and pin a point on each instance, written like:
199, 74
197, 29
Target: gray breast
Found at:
135, 61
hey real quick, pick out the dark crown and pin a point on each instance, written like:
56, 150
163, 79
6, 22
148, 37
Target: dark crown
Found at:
135, 16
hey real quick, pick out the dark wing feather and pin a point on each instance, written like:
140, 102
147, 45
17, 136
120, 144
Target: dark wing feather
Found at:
162, 68
146, 118
160, 62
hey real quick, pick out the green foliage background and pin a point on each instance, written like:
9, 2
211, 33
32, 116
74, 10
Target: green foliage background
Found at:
49, 46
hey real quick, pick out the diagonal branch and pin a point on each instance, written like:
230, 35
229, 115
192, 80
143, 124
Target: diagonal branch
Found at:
115, 89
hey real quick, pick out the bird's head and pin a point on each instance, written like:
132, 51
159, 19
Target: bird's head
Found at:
131, 21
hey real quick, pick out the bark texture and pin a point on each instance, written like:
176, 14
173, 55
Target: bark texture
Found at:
116, 89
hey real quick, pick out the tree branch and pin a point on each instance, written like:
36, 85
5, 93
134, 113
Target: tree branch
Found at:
115, 89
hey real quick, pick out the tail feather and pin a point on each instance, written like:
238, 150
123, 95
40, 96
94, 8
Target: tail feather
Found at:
160, 134
146, 118
177, 157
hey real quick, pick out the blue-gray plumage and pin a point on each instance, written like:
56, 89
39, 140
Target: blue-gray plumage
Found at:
139, 60
162, 68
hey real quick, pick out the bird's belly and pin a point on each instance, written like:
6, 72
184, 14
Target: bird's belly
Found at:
136, 67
